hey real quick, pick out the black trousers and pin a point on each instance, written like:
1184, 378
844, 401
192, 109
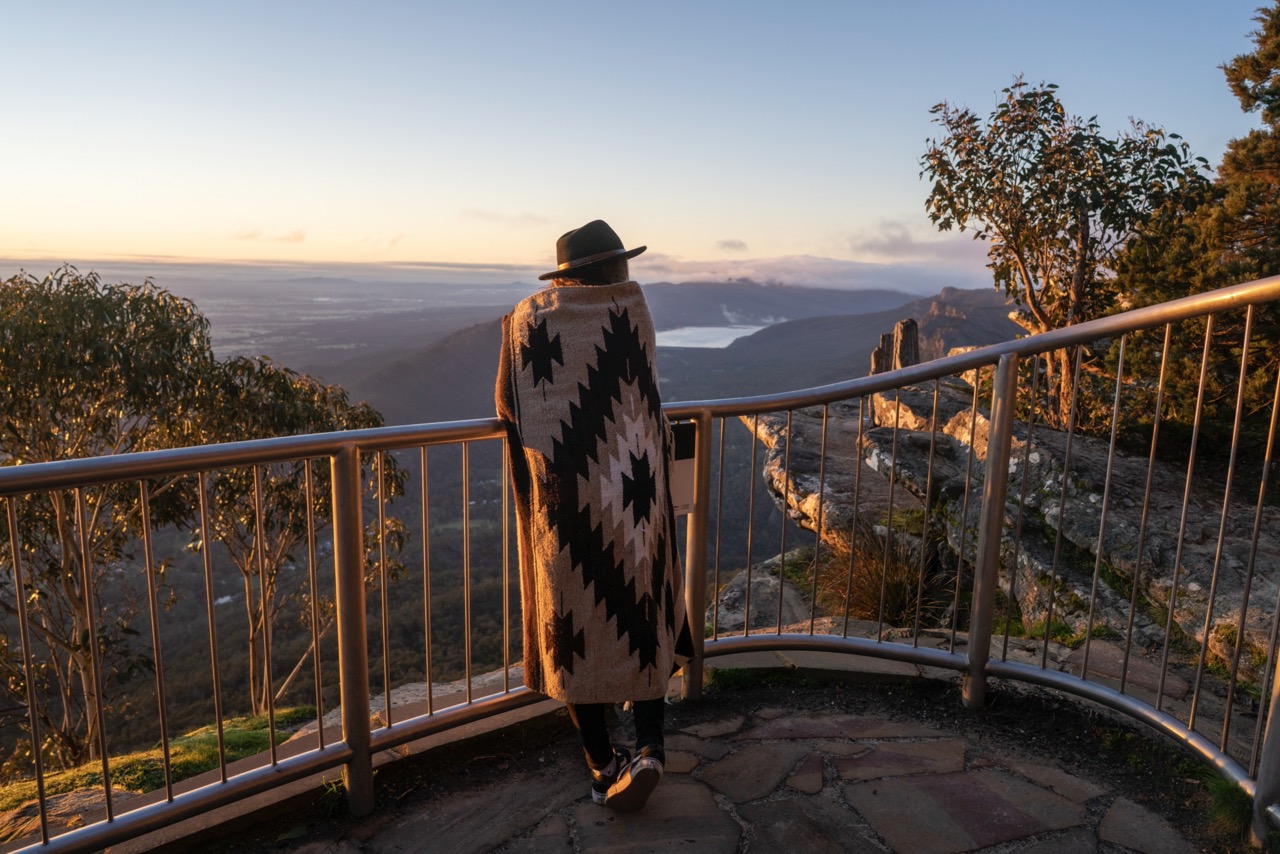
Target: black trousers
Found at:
589, 718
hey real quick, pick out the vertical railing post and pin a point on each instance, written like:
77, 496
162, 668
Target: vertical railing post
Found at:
1267, 789
695, 557
990, 527
353, 651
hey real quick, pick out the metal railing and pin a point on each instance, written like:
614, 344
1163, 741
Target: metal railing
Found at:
898, 502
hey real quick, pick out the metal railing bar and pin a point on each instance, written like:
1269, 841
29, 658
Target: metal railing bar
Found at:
964, 515
1106, 503
24, 632
266, 594
451, 717
466, 561
426, 575
805, 642
506, 569
751, 517
1127, 705
696, 553
817, 543
353, 653
786, 516
155, 816
715, 606
148, 567
206, 553
1253, 551
928, 504
1186, 504
313, 578
384, 582
1222, 524
1022, 508
99, 721
888, 522
986, 566
1250, 565
1146, 506
858, 463
1062, 505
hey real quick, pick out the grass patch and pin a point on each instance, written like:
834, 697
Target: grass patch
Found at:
189, 755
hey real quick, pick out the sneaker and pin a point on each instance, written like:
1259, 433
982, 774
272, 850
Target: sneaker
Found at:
603, 780
636, 781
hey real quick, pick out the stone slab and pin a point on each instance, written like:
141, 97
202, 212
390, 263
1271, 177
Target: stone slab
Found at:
484, 819
1067, 785
895, 759
808, 778
753, 772
680, 815
1136, 827
807, 824
715, 729
949, 813
550, 837
819, 725
681, 761
1077, 840
703, 747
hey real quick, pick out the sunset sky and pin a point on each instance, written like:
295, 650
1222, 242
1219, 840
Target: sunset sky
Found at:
466, 136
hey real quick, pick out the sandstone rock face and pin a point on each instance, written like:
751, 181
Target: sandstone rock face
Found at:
1079, 525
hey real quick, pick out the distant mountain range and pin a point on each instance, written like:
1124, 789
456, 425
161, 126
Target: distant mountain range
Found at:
826, 336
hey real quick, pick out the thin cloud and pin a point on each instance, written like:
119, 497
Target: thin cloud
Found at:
894, 242
254, 234
814, 271
732, 246
520, 219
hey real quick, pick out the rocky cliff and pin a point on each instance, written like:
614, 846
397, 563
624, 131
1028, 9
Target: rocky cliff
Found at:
1068, 529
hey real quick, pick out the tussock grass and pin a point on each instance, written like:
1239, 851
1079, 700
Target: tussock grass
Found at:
189, 755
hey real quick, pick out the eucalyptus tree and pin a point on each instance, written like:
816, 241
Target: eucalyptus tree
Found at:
263, 516
86, 369
1055, 199
1231, 235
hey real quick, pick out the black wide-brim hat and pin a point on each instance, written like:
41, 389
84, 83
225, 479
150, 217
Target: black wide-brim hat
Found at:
591, 244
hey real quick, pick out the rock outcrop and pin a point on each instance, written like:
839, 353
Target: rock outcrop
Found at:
1068, 530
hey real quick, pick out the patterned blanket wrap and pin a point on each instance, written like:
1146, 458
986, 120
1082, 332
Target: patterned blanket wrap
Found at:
600, 574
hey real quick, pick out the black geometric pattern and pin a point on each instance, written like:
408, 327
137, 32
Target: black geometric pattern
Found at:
541, 352
623, 370
564, 641
600, 569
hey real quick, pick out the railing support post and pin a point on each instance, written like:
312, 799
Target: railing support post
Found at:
353, 651
695, 557
986, 567
1267, 790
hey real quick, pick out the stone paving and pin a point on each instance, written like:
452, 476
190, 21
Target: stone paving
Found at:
778, 779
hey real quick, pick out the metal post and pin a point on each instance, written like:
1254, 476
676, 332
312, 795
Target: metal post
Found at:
990, 526
695, 557
353, 652
1267, 790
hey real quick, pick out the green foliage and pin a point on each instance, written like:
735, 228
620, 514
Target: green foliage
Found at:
900, 581
189, 755
87, 369
1230, 808
1228, 234
1055, 199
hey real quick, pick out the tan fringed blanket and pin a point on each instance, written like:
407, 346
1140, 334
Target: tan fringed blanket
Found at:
600, 574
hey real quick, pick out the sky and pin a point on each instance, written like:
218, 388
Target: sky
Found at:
457, 140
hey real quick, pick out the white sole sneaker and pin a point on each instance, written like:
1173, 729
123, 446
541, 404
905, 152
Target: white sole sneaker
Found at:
635, 784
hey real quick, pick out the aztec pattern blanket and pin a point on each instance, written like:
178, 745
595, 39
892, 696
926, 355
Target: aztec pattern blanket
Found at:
600, 574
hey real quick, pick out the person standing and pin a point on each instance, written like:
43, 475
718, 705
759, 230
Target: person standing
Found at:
600, 577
